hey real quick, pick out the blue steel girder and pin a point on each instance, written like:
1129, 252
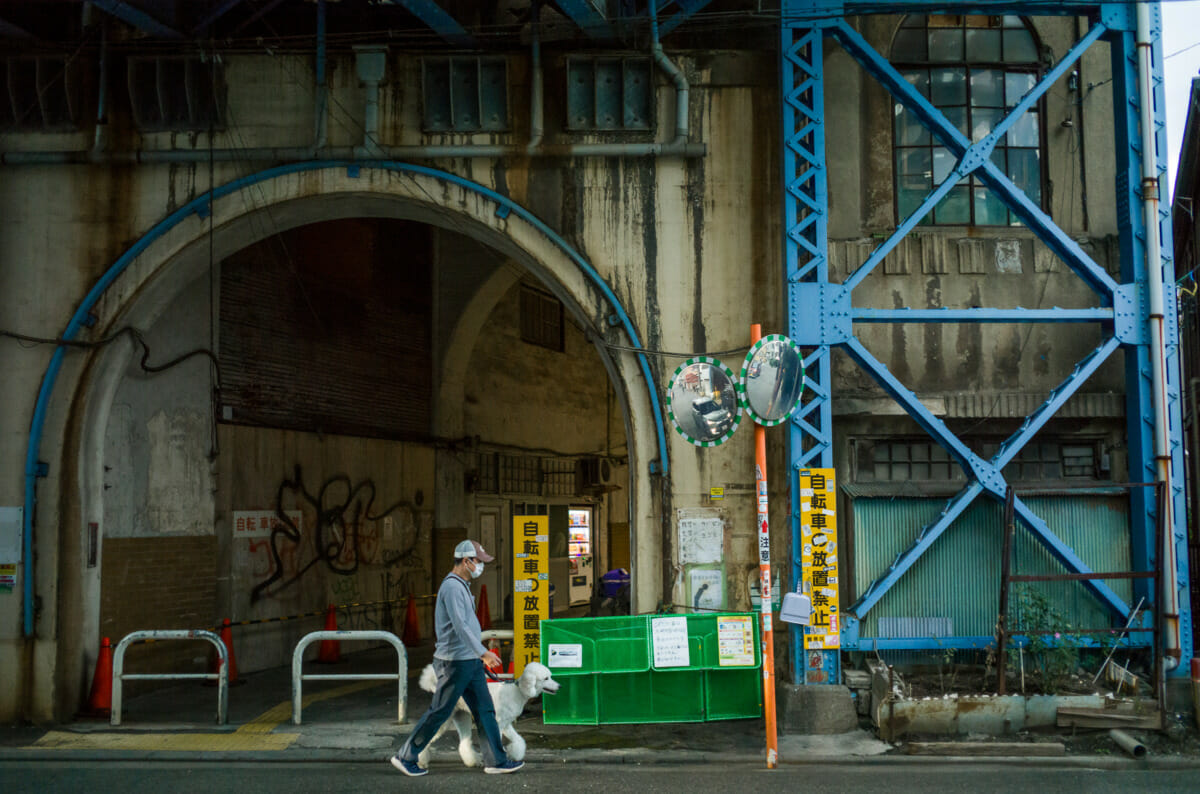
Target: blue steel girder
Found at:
806, 208
686, 10
1143, 456
587, 16
806, 265
139, 18
439, 21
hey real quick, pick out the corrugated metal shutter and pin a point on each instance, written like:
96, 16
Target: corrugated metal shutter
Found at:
958, 578
327, 328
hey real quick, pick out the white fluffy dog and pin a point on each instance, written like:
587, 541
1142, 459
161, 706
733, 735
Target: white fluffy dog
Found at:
509, 699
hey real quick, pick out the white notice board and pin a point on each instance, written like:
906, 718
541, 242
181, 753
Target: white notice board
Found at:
701, 539
670, 639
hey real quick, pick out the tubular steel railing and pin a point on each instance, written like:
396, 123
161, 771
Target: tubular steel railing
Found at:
299, 677
221, 676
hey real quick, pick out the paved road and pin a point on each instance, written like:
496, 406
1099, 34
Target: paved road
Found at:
73, 777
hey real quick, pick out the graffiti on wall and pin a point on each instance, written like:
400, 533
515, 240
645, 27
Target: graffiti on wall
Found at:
344, 536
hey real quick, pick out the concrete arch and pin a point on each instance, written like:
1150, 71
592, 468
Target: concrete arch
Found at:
140, 286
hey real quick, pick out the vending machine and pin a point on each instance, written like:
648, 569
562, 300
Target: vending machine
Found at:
579, 551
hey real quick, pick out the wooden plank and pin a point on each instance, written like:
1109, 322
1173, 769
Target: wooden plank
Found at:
986, 748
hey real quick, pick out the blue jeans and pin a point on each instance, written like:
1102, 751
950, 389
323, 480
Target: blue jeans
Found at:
461, 678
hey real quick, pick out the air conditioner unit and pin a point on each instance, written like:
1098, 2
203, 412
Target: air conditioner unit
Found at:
593, 473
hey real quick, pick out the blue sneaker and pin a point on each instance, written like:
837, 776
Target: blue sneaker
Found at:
505, 768
409, 768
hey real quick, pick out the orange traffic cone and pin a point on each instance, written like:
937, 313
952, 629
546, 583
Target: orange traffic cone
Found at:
100, 699
483, 611
331, 650
227, 638
412, 627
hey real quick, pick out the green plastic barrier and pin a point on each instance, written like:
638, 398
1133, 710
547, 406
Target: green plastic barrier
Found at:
635, 669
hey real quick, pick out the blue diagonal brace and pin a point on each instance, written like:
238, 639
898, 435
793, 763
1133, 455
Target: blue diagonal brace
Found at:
925, 538
970, 158
687, 9
215, 14
1035, 421
127, 12
983, 471
438, 21
1066, 555
587, 17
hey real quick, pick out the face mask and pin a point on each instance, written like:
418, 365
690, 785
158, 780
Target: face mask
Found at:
478, 570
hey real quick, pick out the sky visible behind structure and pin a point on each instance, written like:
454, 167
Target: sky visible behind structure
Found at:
1181, 49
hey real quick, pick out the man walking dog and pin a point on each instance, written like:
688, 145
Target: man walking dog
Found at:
458, 660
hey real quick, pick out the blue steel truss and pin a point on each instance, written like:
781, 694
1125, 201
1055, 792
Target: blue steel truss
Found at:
821, 315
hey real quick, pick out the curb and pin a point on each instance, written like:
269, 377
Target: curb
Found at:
632, 756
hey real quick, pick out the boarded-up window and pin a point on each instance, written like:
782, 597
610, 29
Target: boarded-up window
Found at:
326, 328
541, 319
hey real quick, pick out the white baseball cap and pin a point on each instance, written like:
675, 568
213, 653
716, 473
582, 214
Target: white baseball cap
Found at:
471, 548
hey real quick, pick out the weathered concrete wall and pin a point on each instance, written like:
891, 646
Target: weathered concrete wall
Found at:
690, 248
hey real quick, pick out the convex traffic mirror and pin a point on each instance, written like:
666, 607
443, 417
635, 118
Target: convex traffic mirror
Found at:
702, 401
772, 380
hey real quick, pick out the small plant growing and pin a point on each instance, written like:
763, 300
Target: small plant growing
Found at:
1052, 656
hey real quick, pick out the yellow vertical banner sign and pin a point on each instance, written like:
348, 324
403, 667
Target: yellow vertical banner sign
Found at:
819, 558
531, 587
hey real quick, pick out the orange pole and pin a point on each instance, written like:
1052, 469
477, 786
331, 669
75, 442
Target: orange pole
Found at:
764, 576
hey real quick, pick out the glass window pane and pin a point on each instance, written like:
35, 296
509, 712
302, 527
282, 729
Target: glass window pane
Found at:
980, 21
984, 45
910, 46
1013, 22
987, 88
1017, 85
946, 45
983, 120
909, 130
1024, 132
907, 200
947, 87
919, 78
955, 207
989, 210
943, 164
1024, 169
957, 117
916, 163
1018, 46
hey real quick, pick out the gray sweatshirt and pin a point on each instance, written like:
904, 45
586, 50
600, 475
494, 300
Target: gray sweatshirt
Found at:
454, 621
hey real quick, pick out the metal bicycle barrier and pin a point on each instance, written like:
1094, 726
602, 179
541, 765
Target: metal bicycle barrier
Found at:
298, 676
221, 676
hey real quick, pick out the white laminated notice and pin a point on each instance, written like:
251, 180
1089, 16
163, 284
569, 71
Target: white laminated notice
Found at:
670, 640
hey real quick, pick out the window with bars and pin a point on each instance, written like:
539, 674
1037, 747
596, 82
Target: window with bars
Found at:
525, 474
927, 461
974, 69
541, 319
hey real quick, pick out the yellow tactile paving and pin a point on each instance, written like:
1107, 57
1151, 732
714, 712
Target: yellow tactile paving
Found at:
254, 736
178, 742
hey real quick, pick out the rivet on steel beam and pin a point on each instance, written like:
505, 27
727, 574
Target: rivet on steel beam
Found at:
353, 171
503, 210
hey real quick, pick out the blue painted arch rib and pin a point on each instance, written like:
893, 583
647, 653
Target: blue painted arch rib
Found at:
201, 205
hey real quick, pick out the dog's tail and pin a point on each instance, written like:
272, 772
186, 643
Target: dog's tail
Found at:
428, 680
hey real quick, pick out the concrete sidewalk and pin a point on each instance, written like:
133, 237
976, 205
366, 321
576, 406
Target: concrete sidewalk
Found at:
356, 721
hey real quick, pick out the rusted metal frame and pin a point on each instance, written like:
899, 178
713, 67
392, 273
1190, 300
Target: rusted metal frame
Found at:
1002, 618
